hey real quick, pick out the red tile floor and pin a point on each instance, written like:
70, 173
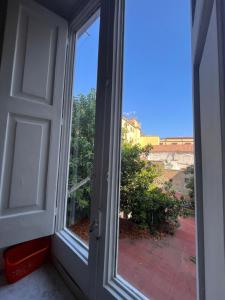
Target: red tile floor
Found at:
163, 269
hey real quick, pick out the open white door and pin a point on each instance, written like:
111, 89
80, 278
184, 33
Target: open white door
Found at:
31, 96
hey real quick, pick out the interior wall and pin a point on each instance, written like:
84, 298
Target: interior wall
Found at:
65, 8
3, 5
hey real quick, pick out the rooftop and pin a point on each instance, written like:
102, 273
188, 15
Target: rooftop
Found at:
173, 148
177, 137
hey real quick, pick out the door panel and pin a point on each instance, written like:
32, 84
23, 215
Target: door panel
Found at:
78, 145
208, 70
86, 267
212, 163
31, 91
34, 58
28, 158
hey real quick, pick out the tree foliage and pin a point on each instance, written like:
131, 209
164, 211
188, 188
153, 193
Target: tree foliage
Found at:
190, 184
82, 150
140, 198
148, 205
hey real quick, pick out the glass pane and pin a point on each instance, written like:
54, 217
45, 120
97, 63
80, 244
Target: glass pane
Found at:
156, 252
83, 131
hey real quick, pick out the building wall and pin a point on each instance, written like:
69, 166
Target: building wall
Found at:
131, 131
178, 180
173, 160
175, 154
174, 166
177, 141
132, 134
148, 139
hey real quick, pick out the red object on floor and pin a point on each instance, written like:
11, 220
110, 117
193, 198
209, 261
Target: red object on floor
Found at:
22, 259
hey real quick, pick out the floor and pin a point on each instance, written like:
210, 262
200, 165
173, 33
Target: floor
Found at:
163, 269
43, 284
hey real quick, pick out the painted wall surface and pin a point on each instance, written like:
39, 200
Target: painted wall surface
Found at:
149, 139
174, 167
173, 160
177, 141
131, 131
178, 179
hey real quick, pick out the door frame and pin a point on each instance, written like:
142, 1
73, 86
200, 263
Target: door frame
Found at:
68, 251
102, 260
100, 266
201, 16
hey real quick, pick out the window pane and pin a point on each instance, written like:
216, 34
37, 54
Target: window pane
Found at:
156, 250
83, 131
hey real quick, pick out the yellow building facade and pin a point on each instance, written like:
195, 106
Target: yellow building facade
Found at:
149, 139
131, 133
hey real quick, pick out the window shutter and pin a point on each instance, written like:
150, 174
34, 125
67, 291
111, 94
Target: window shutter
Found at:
31, 96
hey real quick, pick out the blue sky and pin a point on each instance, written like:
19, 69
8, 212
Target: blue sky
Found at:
157, 86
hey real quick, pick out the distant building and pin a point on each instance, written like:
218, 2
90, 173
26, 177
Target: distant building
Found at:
177, 141
175, 154
174, 157
131, 131
149, 139
175, 160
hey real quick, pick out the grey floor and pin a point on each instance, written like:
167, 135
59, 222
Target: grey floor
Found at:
44, 284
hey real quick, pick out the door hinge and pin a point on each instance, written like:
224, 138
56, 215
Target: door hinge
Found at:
95, 226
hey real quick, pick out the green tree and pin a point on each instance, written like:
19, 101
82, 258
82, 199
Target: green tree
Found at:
148, 205
82, 150
190, 184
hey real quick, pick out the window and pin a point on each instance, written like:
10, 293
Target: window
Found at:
156, 239
111, 281
82, 136
36, 136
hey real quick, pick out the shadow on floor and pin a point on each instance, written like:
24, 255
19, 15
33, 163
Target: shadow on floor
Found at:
43, 284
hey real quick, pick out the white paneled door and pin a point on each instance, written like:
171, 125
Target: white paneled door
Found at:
31, 92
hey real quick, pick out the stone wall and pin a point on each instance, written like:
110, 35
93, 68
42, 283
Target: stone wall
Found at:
173, 160
174, 166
